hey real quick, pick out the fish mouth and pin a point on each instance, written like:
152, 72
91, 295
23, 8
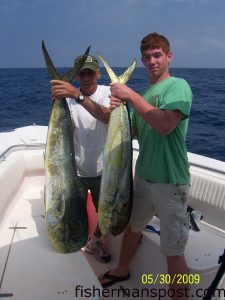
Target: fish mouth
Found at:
65, 240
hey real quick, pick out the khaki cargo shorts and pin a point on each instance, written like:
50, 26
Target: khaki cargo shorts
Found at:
169, 202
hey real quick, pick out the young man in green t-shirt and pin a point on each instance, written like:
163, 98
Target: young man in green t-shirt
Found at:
161, 183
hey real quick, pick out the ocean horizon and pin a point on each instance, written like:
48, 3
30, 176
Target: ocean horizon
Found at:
25, 100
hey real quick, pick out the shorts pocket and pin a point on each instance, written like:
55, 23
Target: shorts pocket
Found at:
177, 232
182, 192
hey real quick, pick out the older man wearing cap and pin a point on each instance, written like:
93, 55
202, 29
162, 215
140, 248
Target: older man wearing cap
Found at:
89, 107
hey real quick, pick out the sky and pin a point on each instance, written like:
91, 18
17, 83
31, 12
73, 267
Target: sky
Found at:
195, 29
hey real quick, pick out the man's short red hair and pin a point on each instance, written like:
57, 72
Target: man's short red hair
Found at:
155, 41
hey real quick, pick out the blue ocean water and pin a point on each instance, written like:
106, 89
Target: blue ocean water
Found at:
25, 99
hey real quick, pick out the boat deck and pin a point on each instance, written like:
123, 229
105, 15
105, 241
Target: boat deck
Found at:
32, 269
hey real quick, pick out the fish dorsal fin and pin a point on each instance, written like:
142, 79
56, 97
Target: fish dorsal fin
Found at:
113, 77
69, 76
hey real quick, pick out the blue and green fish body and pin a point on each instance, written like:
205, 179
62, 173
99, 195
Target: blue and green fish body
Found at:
115, 203
65, 203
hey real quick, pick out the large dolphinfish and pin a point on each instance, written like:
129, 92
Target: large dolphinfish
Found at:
115, 202
65, 203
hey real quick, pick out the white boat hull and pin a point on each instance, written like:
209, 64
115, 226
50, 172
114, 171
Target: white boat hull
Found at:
31, 269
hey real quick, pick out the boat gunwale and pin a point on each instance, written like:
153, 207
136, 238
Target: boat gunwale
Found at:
192, 159
4, 155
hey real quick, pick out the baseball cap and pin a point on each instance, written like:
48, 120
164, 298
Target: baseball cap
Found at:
90, 63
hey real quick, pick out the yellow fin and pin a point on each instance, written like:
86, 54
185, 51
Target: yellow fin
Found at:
113, 77
126, 75
110, 72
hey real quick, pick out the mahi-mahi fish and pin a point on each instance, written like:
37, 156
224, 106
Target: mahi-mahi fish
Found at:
65, 203
115, 202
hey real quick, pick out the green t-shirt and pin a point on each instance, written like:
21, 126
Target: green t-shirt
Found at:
164, 158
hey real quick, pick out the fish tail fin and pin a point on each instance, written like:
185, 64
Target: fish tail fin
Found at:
122, 78
113, 77
69, 76
50, 66
126, 75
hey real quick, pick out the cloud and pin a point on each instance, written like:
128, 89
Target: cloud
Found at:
113, 27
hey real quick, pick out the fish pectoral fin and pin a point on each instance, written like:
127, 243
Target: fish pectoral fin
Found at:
126, 75
60, 207
115, 199
113, 77
50, 66
69, 76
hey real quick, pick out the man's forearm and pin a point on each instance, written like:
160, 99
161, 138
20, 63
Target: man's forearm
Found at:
98, 111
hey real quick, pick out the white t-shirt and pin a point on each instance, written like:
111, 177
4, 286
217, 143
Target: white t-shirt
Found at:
89, 134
